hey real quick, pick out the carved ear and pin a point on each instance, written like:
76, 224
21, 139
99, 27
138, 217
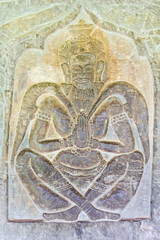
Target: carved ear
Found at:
100, 66
66, 72
65, 69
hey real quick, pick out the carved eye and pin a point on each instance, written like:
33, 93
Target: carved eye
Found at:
89, 69
76, 69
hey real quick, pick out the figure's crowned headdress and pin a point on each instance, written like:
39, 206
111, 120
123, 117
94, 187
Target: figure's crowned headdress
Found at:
81, 42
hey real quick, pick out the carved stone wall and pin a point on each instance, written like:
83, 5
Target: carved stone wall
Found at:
79, 107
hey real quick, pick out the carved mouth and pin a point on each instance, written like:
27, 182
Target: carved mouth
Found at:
82, 80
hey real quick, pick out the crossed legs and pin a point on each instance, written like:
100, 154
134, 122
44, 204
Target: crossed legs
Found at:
57, 199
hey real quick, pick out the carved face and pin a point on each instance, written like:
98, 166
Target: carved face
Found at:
82, 68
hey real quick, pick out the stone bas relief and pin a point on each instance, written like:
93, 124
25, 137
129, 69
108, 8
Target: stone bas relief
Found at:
81, 129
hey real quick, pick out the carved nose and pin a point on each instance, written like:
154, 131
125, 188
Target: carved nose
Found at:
83, 73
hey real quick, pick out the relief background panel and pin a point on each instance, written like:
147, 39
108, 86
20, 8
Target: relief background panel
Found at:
27, 27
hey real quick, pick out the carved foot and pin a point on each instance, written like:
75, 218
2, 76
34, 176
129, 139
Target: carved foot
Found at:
69, 215
95, 214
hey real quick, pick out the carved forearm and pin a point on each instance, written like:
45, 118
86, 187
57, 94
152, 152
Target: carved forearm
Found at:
46, 145
112, 147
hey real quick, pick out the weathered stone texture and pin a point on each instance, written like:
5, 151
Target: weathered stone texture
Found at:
26, 25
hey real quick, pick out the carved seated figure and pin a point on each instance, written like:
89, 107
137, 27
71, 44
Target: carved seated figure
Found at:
82, 151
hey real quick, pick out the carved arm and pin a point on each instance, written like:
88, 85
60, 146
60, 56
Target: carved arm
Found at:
122, 128
38, 141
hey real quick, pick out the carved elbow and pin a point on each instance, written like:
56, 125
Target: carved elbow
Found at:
130, 146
